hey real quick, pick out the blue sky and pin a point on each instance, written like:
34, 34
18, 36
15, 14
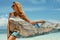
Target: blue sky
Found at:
33, 9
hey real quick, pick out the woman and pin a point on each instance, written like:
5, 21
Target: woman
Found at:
18, 13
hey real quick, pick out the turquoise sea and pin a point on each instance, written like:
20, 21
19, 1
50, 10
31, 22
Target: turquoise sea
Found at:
51, 36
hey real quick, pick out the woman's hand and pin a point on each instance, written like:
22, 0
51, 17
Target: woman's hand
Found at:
41, 21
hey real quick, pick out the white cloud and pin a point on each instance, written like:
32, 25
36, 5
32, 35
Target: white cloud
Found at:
2, 16
6, 15
54, 21
3, 23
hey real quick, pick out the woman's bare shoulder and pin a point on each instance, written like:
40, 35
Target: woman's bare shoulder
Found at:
11, 13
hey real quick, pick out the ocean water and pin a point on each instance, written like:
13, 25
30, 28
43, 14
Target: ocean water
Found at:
51, 36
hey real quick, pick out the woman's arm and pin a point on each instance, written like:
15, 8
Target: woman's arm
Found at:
8, 27
23, 16
35, 22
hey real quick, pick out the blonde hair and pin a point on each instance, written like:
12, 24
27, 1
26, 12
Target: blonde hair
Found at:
19, 6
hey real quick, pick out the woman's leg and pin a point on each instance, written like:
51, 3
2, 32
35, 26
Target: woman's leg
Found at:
12, 38
14, 35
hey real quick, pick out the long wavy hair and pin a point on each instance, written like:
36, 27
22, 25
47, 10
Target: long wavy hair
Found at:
19, 7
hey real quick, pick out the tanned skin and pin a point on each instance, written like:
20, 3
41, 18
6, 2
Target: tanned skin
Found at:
19, 13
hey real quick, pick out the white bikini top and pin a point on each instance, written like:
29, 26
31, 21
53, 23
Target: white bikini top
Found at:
16, 18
